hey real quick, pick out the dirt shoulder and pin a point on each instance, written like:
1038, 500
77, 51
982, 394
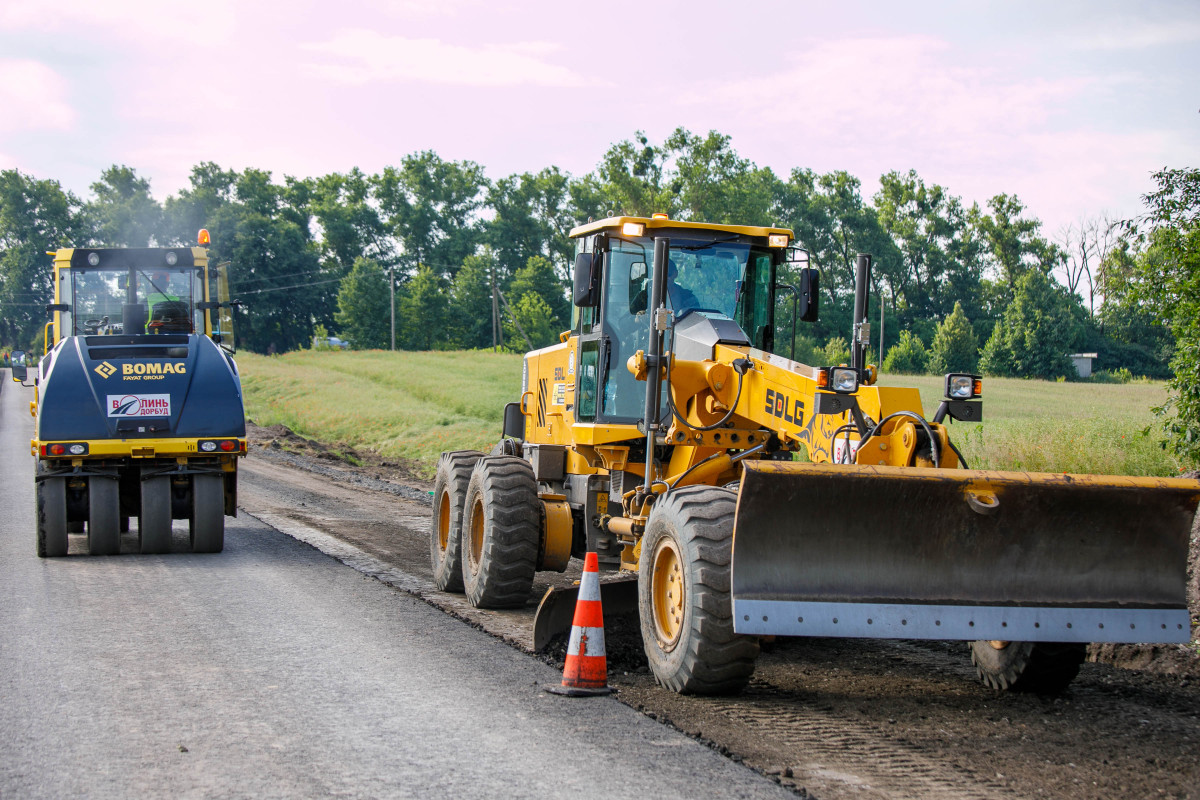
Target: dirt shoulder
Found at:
828, 718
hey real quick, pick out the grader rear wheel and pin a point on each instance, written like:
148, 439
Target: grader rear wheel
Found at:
154, 523
207, 522
445, 530
501, 532
683, 594
1041, 667
51, 516
103, 523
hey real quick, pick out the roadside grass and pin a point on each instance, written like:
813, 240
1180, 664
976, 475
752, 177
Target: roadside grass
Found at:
405, 405
1047, 426
413, 406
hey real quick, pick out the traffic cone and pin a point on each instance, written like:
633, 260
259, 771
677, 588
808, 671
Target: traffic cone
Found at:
586, 671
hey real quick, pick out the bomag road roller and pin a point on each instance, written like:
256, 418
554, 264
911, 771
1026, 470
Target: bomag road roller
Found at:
756, 496
137, 399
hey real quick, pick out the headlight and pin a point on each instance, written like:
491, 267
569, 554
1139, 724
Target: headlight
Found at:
94, 259
208, 447
843, 379
633, 228
777, 240
77, 449
963, 387
171, 258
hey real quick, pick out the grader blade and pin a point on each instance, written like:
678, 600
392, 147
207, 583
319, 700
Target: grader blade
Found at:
909, 553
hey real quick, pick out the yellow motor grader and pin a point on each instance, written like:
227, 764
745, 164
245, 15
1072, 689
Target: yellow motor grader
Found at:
757, 496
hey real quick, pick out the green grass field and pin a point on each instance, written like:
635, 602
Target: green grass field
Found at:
413, 406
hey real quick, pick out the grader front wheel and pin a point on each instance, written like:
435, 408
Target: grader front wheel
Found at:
683, 594
1042, 667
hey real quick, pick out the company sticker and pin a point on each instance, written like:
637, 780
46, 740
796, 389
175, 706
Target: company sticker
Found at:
139, 405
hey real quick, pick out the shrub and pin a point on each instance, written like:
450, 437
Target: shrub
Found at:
907, 357
954, 348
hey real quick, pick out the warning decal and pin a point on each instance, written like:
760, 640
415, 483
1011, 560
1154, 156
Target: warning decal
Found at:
139, 405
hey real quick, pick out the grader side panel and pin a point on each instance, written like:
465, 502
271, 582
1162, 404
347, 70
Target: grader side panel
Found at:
891, 552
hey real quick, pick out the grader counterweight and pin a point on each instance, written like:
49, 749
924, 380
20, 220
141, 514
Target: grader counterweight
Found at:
754, 495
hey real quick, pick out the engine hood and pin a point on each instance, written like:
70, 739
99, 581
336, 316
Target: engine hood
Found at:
130, 387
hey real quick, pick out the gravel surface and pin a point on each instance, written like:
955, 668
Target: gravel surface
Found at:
827, 718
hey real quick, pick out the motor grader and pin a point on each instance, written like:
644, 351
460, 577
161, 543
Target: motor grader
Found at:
756, 496
138, 400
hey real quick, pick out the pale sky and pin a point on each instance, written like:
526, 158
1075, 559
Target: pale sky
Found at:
1069, 105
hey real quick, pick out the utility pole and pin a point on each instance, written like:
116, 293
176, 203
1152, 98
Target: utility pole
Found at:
497, 331
392, 290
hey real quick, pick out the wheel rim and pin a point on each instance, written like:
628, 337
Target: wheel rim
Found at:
667, 593
476, 550
444, 522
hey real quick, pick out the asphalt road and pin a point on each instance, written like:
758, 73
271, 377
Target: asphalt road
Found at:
272, 670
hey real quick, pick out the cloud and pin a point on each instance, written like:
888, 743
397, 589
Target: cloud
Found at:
1137, 36
128, 19
33, 97
360, 57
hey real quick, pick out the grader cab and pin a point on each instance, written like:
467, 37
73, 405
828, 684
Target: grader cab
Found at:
753, 495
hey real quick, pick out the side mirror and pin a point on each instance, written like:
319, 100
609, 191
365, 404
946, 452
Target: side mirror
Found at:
808, 294
19, 370
585, 292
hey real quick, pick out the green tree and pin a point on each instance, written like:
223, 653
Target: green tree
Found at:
537, 277
471, 302
1014, 242
1172, 281
263, 230
35, 216
532, 215
907, 357
536, 320
955, 347
124, 213
431, 206
364, 307
712, 183
836, 351
939, 255
1037, 332
423, 312
628, 180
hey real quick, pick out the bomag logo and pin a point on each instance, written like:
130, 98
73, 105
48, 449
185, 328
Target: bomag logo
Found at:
155, 368
105, 370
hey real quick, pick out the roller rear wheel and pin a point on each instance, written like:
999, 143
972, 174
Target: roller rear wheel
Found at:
445, 530
154, 523
51, 517
207, 523
104, 516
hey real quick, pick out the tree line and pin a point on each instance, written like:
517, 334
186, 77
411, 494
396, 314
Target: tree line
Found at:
459, 252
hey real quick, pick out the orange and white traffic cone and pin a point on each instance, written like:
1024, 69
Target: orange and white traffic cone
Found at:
586, 670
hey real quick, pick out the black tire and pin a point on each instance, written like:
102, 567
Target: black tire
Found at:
445, 529
51, 517
206, 525
501, 532
1041, 667
104, 516
154, 523
684, 600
